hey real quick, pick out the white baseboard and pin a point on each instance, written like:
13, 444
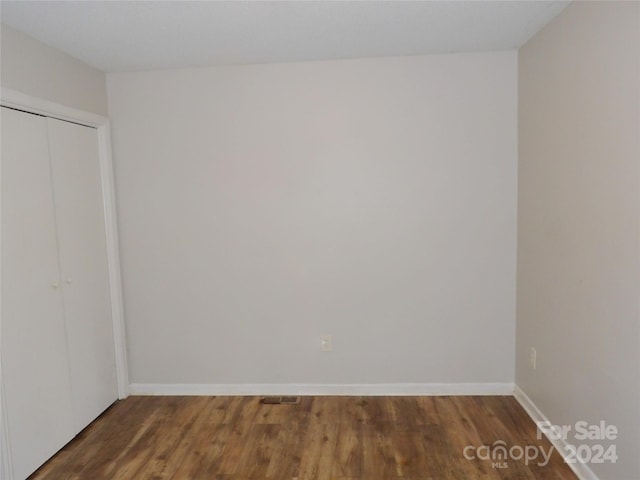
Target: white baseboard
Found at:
582, 470
376, 389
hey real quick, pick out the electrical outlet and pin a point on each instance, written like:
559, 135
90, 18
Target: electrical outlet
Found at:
533, 358
325, 343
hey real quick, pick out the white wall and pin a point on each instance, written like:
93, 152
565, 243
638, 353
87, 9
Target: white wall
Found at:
579, 222
263, 206
42, 71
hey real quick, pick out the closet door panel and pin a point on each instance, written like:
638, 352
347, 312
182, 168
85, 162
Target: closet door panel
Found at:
84, 270
35, 371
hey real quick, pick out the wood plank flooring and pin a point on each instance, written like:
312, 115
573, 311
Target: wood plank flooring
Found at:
321, 438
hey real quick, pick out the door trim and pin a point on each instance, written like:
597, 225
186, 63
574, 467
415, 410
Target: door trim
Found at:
27, 103
6, 468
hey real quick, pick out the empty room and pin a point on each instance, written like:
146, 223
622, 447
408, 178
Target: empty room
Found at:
320, 240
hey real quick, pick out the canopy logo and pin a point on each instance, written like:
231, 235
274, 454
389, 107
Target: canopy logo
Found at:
498, 454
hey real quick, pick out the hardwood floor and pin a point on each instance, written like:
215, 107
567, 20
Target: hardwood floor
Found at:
336, 438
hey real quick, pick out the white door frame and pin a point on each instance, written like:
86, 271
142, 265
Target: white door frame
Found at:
27, 103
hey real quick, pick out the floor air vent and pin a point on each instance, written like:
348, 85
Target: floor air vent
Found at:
280, 400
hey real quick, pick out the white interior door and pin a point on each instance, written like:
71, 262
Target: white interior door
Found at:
83, 259
35, 371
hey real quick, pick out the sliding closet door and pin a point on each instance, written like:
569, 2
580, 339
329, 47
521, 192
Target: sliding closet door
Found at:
85, 281
35, 371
